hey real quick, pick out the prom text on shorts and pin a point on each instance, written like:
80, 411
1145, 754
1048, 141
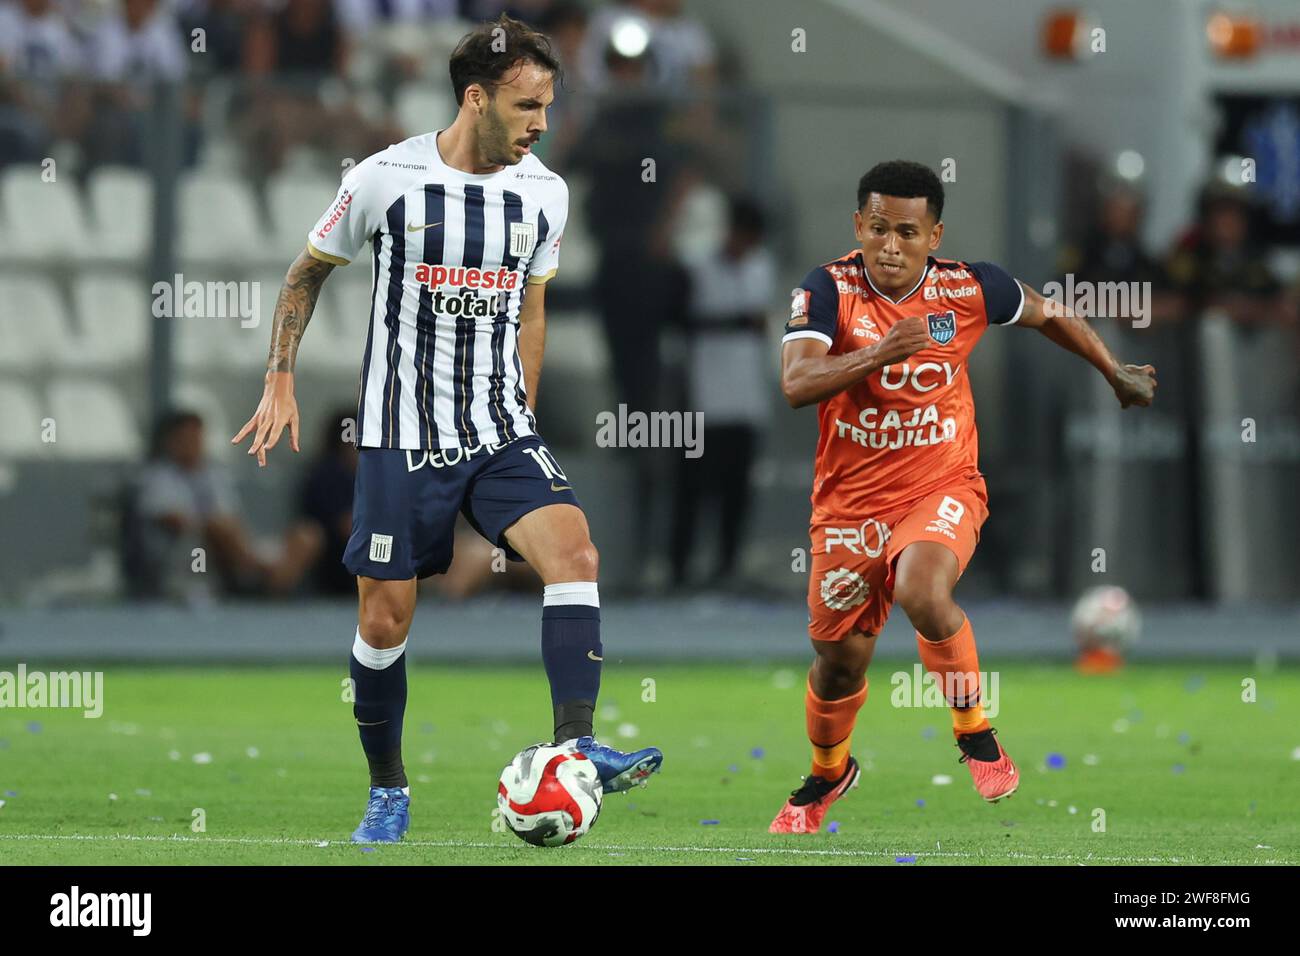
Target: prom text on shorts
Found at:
869, 539
624, 429
74, 909
65, 689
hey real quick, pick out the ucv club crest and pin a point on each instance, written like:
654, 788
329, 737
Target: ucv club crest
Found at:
943, 326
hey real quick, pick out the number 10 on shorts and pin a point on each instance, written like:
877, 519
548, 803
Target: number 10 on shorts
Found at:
546, 461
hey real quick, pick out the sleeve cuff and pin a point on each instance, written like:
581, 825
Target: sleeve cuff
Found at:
1019, 311
807, 334
542, 278
325, 256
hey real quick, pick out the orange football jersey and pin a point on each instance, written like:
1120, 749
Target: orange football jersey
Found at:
907, 429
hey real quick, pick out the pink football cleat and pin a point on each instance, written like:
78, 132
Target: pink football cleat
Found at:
807, 806
996, 778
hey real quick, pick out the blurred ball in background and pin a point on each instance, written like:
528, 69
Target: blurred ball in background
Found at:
1105, 622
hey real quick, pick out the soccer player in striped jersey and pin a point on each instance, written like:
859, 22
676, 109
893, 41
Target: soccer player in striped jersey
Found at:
464, 226
880, 338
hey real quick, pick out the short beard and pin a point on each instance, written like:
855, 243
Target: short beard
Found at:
494, 139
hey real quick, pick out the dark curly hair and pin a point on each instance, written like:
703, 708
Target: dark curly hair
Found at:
484, 56
905, 179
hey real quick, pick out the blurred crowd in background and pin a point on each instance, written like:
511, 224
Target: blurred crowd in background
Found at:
682, 284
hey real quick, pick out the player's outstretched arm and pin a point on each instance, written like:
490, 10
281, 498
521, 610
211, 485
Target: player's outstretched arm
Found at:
293, 310
1133, 384
532, 338
810, 375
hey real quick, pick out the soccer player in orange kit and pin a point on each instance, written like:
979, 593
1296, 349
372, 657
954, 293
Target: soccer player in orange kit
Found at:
880, 339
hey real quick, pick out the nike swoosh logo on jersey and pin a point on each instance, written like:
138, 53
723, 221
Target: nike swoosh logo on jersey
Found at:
555, 487
430, 225
592, 655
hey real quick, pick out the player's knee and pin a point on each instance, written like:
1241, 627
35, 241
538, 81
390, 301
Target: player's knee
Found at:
837, 677
923, 601
582, 563
383, 625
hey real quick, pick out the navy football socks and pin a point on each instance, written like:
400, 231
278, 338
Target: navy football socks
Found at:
379, 683
571, 653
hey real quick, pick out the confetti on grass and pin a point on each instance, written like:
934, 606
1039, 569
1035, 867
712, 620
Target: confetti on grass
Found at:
834, 827
708, 823
757, 753
1055, 761
904, 859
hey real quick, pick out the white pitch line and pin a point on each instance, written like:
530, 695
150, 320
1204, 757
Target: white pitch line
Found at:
592, 847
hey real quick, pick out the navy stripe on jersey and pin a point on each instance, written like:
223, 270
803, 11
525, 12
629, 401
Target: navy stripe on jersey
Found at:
513, 207
463, 371
435, 202
370, 338
391, 426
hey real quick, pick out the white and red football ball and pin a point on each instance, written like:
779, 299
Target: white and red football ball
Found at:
1106, 617
549, 794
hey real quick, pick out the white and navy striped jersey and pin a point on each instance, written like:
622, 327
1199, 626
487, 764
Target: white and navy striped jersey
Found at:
453, 254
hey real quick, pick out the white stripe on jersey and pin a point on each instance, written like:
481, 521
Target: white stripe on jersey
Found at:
444, 369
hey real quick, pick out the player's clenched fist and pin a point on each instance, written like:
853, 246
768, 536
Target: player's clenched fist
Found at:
1135, 385
906, 337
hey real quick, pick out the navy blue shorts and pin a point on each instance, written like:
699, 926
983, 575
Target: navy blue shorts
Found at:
405, 503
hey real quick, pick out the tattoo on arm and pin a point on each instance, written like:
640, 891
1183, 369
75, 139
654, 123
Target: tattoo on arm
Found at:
293, 309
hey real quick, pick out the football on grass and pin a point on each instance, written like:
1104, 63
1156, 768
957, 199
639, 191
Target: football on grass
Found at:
549, 794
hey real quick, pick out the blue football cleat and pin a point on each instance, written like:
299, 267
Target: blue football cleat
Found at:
619, 771
387, 816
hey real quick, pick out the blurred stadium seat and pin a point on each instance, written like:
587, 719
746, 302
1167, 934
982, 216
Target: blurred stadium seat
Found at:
20, 410
121, 205
33, 322
422, 107
294, 203
112, 323
94, 421
46, 215
218, 220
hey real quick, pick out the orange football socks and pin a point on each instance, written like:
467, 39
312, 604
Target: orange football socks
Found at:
956, 667
830, 725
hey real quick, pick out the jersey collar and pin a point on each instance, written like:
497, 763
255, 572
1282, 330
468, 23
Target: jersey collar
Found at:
929, 265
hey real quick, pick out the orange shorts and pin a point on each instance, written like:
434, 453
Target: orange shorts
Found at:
851, 587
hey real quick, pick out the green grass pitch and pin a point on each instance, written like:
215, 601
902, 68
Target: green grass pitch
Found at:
1184, 770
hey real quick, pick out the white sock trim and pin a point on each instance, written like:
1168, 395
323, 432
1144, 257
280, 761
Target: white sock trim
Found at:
373, 657
572, 592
